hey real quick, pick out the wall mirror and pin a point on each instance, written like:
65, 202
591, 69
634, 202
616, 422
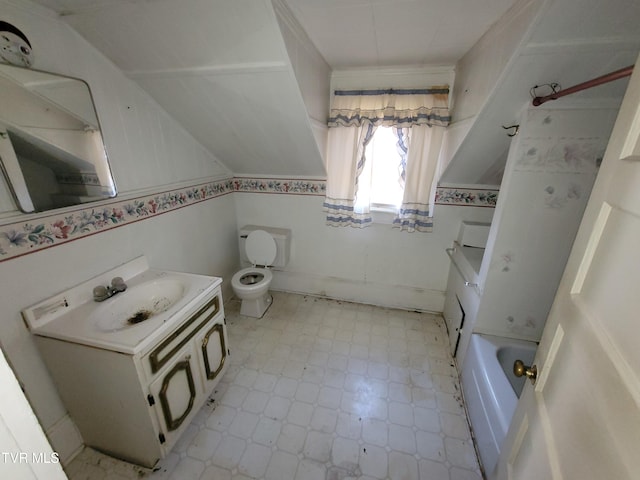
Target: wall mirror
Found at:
51, 146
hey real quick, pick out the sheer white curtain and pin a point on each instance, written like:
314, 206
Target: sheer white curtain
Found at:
345, 161
355, 114
422, 160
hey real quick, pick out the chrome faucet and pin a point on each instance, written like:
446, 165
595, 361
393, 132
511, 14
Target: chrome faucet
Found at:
101, 293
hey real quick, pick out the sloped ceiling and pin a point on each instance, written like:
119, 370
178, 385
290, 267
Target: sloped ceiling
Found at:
571, 41
221, 68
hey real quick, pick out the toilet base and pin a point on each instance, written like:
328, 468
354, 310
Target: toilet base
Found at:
257, 307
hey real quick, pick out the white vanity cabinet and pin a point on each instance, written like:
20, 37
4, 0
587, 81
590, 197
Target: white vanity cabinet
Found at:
136, 406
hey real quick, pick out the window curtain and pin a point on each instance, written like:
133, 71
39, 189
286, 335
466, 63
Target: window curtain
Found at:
354, 116
422, 159
402, 147
391, 108
345, 162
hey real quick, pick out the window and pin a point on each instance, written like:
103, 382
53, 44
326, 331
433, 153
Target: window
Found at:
373, 164
382, 179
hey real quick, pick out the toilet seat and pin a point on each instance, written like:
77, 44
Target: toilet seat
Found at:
249, 288
251, 278
251, 285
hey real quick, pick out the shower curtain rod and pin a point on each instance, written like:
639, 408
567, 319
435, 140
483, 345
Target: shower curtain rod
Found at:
609, 77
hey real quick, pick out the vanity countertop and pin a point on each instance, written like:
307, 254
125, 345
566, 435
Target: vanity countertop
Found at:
74, 316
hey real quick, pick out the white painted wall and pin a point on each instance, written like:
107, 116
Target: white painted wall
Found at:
148, 151
377, 265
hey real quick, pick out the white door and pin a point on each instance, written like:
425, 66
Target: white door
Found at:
26, 452
581, 419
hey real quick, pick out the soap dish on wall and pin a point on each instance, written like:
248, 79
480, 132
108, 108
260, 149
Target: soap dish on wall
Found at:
15, 48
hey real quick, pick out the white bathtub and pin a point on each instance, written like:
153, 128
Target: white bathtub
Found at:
491, 390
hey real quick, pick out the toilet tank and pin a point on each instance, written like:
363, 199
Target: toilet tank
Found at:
282, 236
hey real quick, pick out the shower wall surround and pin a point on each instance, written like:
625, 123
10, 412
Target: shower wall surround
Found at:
552, 165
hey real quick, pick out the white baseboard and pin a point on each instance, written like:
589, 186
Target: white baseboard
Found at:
392, 296
65, 439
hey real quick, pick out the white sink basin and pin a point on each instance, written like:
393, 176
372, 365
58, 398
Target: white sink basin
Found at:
128, 322
137, 304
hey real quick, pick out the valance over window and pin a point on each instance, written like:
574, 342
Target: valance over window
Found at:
391, 108
355, 114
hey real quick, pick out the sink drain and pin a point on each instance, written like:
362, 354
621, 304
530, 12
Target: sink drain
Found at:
139, 316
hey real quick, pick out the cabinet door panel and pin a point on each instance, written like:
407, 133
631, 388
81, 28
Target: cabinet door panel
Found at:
212, 345
177, 394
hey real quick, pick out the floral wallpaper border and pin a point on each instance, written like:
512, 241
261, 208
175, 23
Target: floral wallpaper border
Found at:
278, 185
51, 229
470, 197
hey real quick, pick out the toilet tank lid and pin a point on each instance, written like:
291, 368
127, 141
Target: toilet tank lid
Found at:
282, 233
261, 248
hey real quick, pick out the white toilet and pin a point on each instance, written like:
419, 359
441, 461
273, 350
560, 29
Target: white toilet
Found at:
261, 248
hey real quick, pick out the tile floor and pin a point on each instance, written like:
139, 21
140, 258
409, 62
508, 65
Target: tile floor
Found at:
322, 389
